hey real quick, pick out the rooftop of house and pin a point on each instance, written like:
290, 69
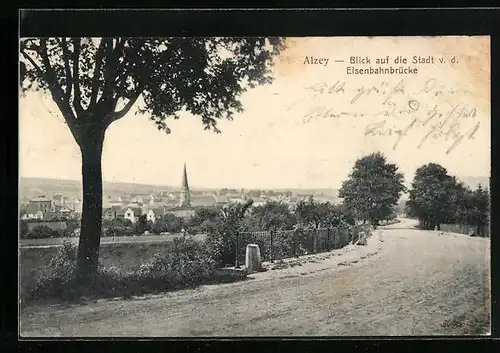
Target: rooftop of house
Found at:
157, 211
203, 200
158, 199
137, 211
179, 208
40, 199
121, 212
113, 209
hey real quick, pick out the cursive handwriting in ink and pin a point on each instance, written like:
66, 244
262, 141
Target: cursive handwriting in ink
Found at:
322, 87
399, 88
403, 133
459, 139
375, 129
412, 107
381, 129
432, 87
323, 112
473, 131
451, 127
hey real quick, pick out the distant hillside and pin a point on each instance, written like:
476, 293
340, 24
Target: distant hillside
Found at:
30, 187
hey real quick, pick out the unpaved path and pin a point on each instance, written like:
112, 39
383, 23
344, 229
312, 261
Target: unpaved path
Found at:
405, 282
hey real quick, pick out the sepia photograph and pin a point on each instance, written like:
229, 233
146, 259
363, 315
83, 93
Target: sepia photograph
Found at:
254, 186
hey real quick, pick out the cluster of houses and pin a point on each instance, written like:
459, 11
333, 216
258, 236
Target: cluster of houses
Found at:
44, 207
154, 205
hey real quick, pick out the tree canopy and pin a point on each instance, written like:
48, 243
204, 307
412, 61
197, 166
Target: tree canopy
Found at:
272, 215
101, 79
431, 195
373, 188
437, 197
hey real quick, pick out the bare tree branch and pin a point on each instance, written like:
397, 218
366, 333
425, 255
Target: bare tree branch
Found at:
120, 114
32, 62
97, 69
77, 103
57, 93
51, 75
109, 101
69, 85
120, 43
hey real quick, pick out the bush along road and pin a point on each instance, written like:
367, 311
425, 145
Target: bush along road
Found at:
404, 282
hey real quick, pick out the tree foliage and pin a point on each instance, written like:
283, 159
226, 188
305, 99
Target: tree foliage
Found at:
222, 238
203, 218
272, 215
432, 195
168, 223
142, 225
88, 78
437, 197
481, 208
322, 214
373, 188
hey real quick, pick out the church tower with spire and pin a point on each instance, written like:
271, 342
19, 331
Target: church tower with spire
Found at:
185, 200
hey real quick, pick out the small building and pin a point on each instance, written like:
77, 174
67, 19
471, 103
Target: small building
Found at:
111, 213
41, 203
203, 200
59, 200
154, 213
63, 210
133, 214
36, 215
77, 206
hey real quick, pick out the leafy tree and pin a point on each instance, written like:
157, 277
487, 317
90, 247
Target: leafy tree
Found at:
71, 226
311, 213
222, 238
433, 195
317, 215
23, 228
117, 222
272, 215
481, 209
168, 223
142, 225
373, 188
338, 216
203, 214
461, 203
95, 82
42, 231
208, 225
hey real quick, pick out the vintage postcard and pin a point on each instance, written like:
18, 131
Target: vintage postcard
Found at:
232, 187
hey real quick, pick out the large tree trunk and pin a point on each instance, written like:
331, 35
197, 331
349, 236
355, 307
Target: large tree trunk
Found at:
91, 224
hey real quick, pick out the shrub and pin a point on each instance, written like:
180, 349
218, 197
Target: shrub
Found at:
58, 279
23, 228
188, 263
42, 231
117, 231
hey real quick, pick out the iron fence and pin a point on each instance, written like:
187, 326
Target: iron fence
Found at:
277, 245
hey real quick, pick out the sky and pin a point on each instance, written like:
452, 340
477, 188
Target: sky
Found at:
280, 140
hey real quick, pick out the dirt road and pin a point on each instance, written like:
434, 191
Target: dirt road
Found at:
416, 283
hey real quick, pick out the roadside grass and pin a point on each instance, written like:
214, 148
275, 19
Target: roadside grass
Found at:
186, 264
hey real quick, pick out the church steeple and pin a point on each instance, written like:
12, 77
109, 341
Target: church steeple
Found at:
185, 197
